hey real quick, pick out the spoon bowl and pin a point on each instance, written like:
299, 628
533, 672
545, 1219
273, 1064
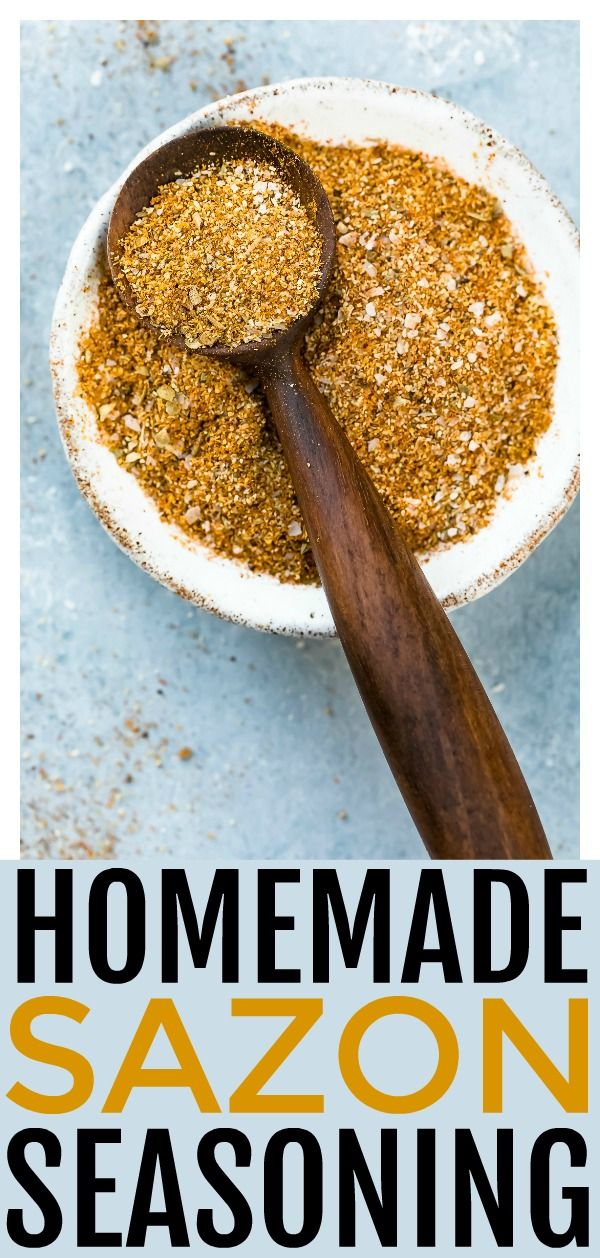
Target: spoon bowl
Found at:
181, 158
339, 112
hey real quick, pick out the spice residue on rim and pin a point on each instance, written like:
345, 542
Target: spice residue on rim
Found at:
228, 255
434, 345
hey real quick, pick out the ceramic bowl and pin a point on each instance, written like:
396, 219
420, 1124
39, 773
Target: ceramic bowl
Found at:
340, 110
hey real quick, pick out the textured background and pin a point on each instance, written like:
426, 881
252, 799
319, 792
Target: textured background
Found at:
120, 675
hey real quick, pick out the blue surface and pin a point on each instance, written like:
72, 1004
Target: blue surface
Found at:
119, 674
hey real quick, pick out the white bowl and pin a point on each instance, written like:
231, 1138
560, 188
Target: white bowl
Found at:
340, 110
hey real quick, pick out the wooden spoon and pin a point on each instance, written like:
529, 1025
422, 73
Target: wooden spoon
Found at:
437, 728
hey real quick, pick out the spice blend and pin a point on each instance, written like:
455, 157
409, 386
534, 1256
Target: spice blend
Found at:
434, 346
228, 254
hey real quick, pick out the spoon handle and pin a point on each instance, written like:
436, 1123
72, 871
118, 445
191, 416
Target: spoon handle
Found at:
437, 728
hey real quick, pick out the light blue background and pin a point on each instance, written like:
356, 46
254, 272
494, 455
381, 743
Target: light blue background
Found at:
120, 674
398, 1055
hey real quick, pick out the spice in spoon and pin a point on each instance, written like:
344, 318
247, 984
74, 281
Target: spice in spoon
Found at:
227, 255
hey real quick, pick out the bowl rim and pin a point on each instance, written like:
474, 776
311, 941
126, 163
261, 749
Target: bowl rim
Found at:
317, 622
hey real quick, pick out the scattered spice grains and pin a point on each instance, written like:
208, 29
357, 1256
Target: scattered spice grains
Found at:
434, 345
228, 254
